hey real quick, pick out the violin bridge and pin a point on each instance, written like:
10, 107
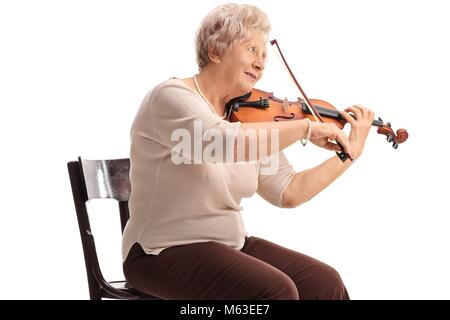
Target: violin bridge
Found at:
285, 105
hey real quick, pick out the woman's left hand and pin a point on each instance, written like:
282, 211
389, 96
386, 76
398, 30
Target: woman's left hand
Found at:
360, 127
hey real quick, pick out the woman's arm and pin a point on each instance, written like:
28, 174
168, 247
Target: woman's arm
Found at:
286, 133
306, 184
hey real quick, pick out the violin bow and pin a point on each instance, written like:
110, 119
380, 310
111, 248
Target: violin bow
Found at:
342, 155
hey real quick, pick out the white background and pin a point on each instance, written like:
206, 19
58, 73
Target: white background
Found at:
73, 74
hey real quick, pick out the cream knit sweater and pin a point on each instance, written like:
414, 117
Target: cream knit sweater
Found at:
174, 204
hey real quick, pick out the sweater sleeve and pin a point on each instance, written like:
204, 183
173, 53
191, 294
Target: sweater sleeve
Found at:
273, 182
184, 123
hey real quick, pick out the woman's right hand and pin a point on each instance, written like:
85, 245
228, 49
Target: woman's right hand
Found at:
325, 136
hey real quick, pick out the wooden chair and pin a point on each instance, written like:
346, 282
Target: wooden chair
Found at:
101, 179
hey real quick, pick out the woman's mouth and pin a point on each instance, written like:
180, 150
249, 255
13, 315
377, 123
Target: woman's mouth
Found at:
251, 75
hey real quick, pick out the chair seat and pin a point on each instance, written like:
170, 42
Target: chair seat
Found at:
123, 286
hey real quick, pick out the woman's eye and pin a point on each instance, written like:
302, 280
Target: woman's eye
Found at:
256, 50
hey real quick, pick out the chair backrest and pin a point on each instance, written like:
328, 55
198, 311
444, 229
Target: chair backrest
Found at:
99, 179
107, 178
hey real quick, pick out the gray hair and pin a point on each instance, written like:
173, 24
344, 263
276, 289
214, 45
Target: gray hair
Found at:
225, 25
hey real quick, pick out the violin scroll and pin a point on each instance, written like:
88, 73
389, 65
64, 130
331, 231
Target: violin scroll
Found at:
396, 138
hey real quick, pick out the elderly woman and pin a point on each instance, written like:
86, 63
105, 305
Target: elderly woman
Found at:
185, 238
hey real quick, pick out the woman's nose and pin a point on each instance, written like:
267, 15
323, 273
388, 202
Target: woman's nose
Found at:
258, 65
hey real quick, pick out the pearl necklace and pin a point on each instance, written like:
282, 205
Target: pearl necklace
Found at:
204, 98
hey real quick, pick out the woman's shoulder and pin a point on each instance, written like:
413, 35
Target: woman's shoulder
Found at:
169, 93
164, 97
173, 85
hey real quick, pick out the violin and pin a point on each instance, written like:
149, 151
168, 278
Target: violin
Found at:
261, 106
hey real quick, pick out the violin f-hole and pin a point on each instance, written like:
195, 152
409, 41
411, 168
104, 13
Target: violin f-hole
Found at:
290, 117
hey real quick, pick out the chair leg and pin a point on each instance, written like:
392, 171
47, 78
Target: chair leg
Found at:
94, 290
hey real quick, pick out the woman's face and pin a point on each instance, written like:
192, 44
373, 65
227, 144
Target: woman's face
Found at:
244, 62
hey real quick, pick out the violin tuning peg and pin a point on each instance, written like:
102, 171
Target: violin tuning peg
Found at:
388, 124
389, 139
395, 145
379, 119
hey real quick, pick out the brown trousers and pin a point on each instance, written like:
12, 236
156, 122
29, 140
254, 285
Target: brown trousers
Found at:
211, 270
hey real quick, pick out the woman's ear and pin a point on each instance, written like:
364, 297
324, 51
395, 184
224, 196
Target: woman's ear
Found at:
213, 55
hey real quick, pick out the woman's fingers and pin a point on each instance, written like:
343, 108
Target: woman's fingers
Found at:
360, 112
371, 116
338, 135
348, 117
364, 111
356, 111
343, 140
332, 146
326, 134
